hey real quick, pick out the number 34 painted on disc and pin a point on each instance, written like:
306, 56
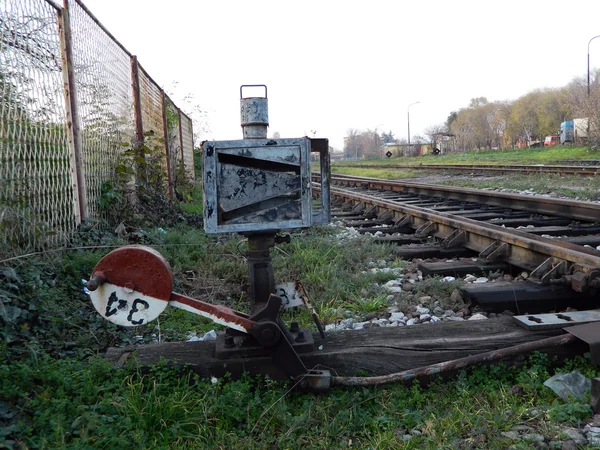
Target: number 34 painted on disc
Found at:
134, 285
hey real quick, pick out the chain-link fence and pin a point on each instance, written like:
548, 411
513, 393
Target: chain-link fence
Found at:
72, 99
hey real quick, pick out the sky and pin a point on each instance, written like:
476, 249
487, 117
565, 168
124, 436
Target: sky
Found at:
335, 65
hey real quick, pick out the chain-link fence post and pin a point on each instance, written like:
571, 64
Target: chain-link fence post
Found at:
72, 116
167, 149
180, 135
137, 121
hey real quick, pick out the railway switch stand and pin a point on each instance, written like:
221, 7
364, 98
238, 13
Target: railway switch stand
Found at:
256, 187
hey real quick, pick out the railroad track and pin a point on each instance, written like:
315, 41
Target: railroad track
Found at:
440, 225
490, 168
553, 240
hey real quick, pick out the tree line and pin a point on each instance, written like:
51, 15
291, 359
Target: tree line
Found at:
485, 124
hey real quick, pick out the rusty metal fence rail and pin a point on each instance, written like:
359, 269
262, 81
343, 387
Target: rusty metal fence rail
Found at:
72, 99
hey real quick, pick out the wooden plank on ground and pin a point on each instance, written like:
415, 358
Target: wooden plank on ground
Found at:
376, 351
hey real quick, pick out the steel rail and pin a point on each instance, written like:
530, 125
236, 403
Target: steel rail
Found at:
578, 210
526, 250
501, 168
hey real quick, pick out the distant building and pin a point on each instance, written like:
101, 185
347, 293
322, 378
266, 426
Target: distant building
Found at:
408, 150
444, 143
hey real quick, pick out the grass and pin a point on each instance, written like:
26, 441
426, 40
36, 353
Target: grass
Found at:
571, 186
57, 392
386, 174
73, 404
542, 155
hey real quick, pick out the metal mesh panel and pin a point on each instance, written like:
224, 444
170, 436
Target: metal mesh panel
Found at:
152, 119
173, 140
36, 200
103, 84
38, 187
187, 136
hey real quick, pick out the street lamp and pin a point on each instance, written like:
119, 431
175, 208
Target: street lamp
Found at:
588, 72
408, 113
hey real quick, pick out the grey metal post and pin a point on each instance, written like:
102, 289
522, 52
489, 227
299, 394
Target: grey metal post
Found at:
170, 181
408, 113
588, 61
137, 118
254, 113
72, 113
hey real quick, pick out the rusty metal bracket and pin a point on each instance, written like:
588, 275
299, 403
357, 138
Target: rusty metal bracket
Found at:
370, 212
359, 209
386, 216
456, 239
549, 270
495, 251
406, 221
427, 229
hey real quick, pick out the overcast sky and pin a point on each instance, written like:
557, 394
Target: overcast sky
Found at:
334, 65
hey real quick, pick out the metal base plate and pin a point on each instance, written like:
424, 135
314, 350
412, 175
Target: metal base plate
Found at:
559, 320
246, 347
589, 333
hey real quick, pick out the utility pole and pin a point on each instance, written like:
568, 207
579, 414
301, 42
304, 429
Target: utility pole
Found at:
408, 114
588, 71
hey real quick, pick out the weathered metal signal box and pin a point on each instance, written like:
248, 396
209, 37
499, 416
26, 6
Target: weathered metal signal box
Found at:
258, 184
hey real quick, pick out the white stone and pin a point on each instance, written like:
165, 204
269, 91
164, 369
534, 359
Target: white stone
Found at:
533, 437
335, 327
424, 317
348, 323
425, 298
360, 325
453, 319
470, 278
422, 310
435, 319
392, 283
410, 322
438, 311
397, 316
210, 336
481, 280
395, 290
574, 434
382, 322
477, 316
448, 279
